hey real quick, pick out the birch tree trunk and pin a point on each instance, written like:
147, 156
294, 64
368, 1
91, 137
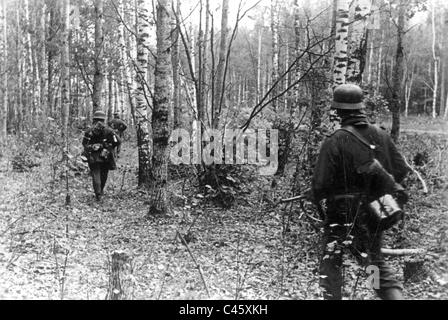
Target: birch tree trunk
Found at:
259, 51
160, 115
31, 74
110, 105
220, 85
297, 44
380, 64
98, 78
65, 86
370, 60
341, 42
275, 48
435, 59
21, 113
4, 111
358, 41
445, 116
43, 70
175, 56
142, 106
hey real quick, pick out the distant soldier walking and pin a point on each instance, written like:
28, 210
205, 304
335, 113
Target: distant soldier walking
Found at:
99, 144
118, 125
357, 165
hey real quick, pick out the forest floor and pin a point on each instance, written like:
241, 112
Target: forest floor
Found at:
48, 251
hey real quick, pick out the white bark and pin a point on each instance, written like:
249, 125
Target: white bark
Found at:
4, 111
142, 107
275, 46
341, 42
358, 40
435, 59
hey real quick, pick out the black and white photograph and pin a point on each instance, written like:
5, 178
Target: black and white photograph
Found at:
223, 154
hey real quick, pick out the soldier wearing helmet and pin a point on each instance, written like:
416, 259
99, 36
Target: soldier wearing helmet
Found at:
118, 125
99, 145
342, 190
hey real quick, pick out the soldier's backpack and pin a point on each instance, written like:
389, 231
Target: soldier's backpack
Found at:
380, 186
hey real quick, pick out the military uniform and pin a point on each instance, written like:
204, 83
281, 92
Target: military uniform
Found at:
349, 225
99, 144
118, 125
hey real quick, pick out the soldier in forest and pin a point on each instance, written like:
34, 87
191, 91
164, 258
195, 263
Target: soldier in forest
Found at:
357, 164
99, 145
118, 125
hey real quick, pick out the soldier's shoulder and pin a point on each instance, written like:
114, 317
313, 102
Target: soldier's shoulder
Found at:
379, 129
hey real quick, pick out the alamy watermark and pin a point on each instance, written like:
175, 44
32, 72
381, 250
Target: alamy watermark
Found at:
229, 146
373, 277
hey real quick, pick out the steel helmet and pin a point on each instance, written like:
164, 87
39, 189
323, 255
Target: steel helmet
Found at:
99, 115
348, 97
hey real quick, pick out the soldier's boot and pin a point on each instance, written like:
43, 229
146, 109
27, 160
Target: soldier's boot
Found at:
390, 294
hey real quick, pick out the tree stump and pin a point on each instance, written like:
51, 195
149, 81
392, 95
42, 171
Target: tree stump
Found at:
119, 278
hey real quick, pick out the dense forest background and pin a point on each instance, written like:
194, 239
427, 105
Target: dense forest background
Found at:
207, 231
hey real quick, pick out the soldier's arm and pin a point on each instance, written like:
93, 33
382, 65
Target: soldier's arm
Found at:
399, 166
86, 140
123, 126
114, 139
324, 172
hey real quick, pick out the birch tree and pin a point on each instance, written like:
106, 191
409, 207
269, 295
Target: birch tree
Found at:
4, 111
435, 59
275, 47
142, 103
65, 84
98, 79
341, 42
160, 115
220, 69
358, 41
175, 56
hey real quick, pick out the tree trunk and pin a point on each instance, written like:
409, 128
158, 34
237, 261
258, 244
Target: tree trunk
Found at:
341, 42
175, 57
142, 99
259, 52
21, 113
4, 111
380, 65
358, 41
98, 78
435, 59
297, 44
220, 85
65, 86
275, 48
31, 74
160, 115
43, 67
120, 277
445, 116
398, 72
110, 105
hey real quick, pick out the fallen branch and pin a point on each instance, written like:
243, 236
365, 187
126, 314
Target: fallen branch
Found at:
402, 252
198, 266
